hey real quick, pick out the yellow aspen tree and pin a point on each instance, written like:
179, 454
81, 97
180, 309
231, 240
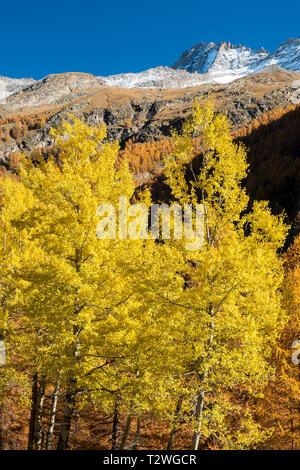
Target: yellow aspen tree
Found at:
232, 310
86, 316
67, 279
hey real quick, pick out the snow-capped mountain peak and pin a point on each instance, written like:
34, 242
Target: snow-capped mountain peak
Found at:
224, 62
211, 63
204, 58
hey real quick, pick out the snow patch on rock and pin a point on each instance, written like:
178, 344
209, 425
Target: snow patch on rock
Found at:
159, 77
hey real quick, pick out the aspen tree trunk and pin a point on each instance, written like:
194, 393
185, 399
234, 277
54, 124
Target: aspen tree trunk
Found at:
126, 430
33, 412
72, 382
52, 414
201, 393
137, 434
68, 414
70, 399
115, 427
199, 414
39, 414
175, 422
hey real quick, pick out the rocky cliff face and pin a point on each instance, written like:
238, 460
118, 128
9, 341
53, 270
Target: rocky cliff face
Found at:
136, 113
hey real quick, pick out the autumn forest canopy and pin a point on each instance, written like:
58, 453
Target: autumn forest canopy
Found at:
140, 343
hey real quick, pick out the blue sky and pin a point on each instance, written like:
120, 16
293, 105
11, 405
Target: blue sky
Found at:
107, 37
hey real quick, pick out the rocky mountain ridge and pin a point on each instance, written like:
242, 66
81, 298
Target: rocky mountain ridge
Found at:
203, 63
162, 77
139, 114
212, 63
50, 89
